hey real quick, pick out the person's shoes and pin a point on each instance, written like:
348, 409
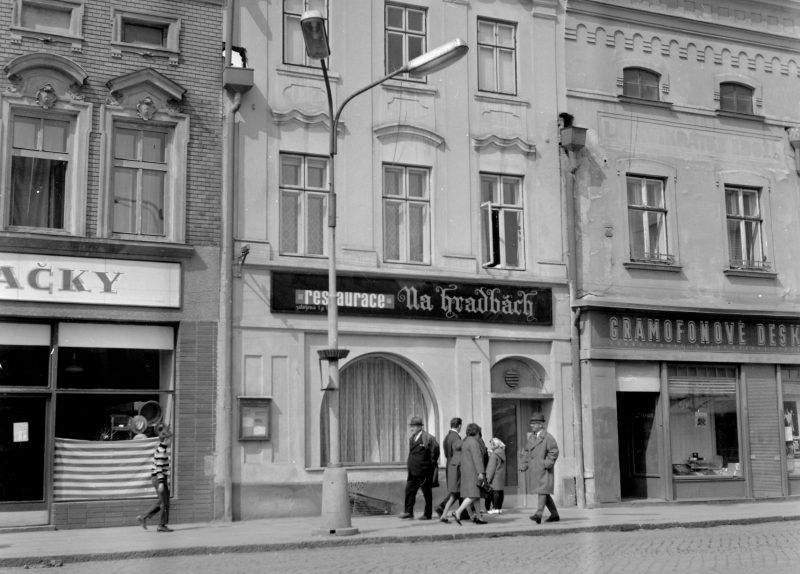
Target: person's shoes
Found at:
424, 518
406, 515
493, 511
537, 518
478, 520
445, 520
164, 528
142, 521
439, 511
553, 518
455, 517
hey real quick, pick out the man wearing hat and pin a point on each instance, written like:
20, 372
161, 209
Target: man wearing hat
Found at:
539, 456
423, 461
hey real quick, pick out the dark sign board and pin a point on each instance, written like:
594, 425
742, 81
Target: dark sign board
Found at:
413, 298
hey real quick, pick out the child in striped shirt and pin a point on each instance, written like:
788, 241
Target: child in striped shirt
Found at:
160, 479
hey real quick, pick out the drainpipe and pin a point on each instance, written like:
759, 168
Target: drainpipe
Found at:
573, 139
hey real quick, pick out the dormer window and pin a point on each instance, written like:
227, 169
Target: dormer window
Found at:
735, 97
640, 83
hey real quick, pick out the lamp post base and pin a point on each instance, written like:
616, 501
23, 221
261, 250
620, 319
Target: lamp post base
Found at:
335, 503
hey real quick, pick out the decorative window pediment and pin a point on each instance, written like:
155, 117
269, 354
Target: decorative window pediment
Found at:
409, 131
46, 77
147, 90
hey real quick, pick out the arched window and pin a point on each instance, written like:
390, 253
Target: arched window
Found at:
640, 83
377, 396
735, 97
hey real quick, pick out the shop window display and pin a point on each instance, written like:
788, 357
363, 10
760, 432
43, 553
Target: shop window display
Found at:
703, 428
23, 365
791, 429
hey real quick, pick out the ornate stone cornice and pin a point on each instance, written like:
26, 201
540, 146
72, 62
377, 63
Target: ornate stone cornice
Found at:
500, 142
169, 89
408, 131
281, 117
73, 72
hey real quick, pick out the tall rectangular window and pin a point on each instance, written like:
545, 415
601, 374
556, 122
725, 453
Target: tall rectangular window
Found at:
647, 219
745, 246
303, 204
497, 57
294, 48
39, 162
139, 179
406, 214
501, 221
405, 35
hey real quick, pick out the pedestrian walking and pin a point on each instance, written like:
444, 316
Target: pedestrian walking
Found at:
472, 469
422, 464
160, 478
496, 475
452, 452
539, 457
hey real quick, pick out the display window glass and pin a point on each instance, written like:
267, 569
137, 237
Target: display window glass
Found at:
790, 378
703, 422
23, 365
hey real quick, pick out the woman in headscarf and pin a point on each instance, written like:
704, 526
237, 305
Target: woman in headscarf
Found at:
496, 474
472, 469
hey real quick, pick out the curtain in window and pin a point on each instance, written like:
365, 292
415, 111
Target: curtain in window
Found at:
37, 192
376, 399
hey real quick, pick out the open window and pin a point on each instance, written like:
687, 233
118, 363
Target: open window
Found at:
501, 221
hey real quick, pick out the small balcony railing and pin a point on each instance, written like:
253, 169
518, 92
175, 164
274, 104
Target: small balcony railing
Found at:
751, 264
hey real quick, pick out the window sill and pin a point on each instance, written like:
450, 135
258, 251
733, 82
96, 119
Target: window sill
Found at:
740, 116
409, 87
375, 466
643, 102
755, 273
46, 35
412, 263
145, 51
497, 98
92, 247
298, 71
648, 266
705, 478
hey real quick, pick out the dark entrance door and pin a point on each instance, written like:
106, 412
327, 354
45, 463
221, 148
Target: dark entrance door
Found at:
22, 452
639, 428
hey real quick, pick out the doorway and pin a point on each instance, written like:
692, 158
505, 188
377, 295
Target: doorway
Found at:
510, 424
640, 445
23, 441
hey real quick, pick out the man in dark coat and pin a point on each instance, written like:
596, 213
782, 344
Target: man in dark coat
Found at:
539, 456
451, 445
423, 461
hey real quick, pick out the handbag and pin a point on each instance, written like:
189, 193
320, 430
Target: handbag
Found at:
484, 486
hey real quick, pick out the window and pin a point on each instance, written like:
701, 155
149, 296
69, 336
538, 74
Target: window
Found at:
703, 425
497, 57
294, 48
501, 220
406, 209
745, 247
647, 219
377, 397
640, 83
790, 381
142, 30
405, 35
39, 171
139, 182
143, 33
59, 17
735, 97
303, 204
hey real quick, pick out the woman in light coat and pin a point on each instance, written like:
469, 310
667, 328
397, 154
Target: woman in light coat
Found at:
472, 468
496, 474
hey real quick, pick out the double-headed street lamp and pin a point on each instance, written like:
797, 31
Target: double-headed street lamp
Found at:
335, 502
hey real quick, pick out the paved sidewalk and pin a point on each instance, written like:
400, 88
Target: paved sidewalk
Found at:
21, 548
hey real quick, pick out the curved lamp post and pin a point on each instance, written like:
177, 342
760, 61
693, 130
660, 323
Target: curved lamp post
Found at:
335, 502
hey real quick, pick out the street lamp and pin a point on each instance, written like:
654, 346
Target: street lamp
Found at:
335, 502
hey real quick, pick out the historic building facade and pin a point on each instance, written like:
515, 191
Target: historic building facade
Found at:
109, 255
453, 297
687, 208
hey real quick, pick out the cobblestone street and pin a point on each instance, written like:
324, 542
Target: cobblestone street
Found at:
770, 547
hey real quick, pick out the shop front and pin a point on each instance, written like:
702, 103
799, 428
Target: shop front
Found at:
700, 406
487, 353
89, 353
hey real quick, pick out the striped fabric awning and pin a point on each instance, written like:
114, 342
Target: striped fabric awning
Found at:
86, 469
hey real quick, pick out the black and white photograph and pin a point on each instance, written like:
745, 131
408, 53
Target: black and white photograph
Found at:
405, 286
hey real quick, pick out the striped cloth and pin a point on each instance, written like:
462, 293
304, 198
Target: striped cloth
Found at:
87, 469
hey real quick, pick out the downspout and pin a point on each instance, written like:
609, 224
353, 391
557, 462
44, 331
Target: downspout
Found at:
223, 484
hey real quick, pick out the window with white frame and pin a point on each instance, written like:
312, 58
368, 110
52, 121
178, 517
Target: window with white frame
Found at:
406, 214
405, 34
735, 97
647, 219
144, 30
303, 204
40, 165
640, 83
139, 182
497, 60
294, 48
501, 221
745, 246
60, 17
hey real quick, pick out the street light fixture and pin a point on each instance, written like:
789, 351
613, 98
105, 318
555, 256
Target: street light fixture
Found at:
335, 501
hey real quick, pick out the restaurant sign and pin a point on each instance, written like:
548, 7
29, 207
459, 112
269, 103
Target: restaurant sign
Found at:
414, 298
696, 332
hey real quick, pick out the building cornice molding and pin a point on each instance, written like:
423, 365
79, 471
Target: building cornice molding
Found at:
398, 130
500, 142
289, 115
17, 67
